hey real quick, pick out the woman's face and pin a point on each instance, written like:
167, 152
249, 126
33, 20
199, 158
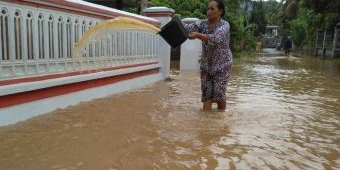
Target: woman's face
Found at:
213, 11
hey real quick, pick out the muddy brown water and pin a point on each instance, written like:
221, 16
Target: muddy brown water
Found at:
282, 113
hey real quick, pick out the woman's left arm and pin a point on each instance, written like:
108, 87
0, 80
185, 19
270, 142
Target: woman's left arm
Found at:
212, 39
201, 36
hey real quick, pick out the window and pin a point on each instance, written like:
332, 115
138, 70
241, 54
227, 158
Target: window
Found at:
51, 36
17, 35
29, 34
83, 30
60, 37
76, 31
68, 38
41, 36
91, 44
4, 35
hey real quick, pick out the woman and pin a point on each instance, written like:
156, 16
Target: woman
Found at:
216, 60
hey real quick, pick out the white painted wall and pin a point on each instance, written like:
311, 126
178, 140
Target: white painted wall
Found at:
191, 51
14, 114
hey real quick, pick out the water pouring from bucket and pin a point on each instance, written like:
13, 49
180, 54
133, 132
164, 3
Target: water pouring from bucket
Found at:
173, 32
104, 29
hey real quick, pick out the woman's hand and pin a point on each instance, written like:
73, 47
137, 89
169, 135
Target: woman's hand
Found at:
202, 37
175, 15
194, 35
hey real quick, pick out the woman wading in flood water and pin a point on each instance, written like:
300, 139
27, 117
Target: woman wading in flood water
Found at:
216, 60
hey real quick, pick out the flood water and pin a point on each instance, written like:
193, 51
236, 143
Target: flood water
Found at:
282, 113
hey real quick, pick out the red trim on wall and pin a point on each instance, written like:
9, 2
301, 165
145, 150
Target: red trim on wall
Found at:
154, 14
29, 96
74, 73
76, 9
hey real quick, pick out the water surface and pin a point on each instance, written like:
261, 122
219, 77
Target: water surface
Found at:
282, 113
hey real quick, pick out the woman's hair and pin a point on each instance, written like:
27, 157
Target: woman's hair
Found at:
220, 6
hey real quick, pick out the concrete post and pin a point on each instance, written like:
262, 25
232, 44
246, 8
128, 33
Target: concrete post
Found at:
323, 44
164, 15
191, 51
336, 41
143, 5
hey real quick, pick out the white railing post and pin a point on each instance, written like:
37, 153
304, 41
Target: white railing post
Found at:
64, 43
22, 42
163, 14
36, 40
55, 44
2, 38
46, 45
11, 40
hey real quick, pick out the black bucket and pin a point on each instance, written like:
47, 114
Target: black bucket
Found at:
174, 32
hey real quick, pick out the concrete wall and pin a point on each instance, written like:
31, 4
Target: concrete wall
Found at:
29, 87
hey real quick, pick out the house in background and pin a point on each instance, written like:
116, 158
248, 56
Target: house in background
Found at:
271, 31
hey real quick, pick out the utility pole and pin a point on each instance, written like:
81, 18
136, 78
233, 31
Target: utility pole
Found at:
143, 5
119, 4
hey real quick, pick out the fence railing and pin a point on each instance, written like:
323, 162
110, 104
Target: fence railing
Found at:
36, 41
336, 43
327, 44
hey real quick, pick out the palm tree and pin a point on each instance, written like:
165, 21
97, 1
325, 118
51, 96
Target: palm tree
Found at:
290, 9
321, 7
246, 6
273, 11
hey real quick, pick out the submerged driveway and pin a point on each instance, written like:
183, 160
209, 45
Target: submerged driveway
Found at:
282, 113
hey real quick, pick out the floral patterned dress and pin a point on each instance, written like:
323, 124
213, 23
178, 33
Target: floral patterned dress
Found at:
216, 59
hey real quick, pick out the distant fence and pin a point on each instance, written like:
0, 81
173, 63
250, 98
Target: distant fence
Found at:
269, 42
327, 44
336, 43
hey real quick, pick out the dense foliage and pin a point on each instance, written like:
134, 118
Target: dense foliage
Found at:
258, 17
241, 33
301, 19
304, 18
187, 8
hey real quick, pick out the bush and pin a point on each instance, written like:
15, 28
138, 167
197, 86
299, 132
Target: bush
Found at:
241, 38
298, 32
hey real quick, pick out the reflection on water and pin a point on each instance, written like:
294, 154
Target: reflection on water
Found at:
283, 113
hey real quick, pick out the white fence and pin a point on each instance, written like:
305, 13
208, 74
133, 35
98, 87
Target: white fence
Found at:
336, 42
327, 44
38, 69
36, 41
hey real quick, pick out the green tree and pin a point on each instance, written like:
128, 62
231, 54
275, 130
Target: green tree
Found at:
258, 18
273, 12
327, 9
304, 18
241, 38
187, 8
298, 32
